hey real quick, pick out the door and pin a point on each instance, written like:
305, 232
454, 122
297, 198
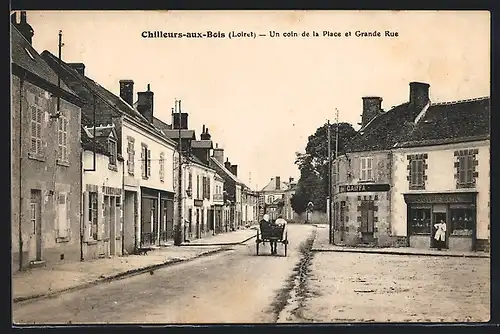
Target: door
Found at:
105, 250
367, 220
36, 223
163, 221
436, 218
197, 223
170, 219
112, 225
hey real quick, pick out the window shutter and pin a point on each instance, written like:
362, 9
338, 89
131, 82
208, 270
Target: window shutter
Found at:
86, 218
149, 162
143, 162
208, 188
62, 230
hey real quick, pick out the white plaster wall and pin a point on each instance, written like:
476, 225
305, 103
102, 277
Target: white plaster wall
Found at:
156, 145
103, 176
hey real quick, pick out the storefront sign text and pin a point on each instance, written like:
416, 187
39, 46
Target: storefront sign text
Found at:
364, 188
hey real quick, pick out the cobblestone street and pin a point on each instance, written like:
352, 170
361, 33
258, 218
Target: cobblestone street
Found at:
355, 287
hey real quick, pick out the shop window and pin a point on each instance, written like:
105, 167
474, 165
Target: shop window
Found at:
462, 221
420, 221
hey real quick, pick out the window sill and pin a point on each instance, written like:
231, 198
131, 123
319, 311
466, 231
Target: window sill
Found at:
64, 239
34, 156
366, 181
62, 163
466, 186
460, 235
112, 167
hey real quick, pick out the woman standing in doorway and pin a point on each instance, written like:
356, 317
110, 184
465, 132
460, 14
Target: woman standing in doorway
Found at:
440, 235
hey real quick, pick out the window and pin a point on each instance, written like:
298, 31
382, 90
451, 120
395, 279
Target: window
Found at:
112, 151
197, 187
208, 188
162, 167
145, 161
270, 199
62, 228
62, 138
420, 221
190, 184
93, 215
416, 173
131, 155
36, 127
33, 217
462, 221
466, 170
366, 169
334, 173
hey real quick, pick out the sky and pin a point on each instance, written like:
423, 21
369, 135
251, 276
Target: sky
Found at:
262, 97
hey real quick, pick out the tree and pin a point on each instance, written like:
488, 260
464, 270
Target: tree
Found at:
313, 166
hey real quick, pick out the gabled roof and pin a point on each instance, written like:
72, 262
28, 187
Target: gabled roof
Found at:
226, 171
271, 186
185, 134
202, 144
26, 57
88, 143
442, 122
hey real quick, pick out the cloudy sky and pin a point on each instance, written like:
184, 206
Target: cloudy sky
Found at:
262, 97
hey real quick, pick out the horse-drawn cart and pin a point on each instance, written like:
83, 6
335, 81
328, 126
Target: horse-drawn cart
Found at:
272, 233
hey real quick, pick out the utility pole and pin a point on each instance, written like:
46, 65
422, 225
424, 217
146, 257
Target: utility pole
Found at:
336, 164
330, 184
178, 232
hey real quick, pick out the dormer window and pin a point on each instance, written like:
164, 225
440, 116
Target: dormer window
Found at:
112, 151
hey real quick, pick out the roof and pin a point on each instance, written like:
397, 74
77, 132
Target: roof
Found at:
88, 143
226, 171
202, 144
86, 88
185, 134
442, 122
26, 57
271, 186
160, 124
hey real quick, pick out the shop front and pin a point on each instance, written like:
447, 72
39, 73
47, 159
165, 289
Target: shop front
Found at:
456, 211
157, 219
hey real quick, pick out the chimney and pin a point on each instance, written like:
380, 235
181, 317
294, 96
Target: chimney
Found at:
79, 67
278, 183
205, 135
419, 97
234, 170
127, 91
227, 164
24, 28
219, 154
372, 107
290, 180
145, 104
183, 122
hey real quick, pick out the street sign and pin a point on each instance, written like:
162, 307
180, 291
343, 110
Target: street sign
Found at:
358, 188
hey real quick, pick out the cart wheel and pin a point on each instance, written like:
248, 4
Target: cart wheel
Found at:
286, 247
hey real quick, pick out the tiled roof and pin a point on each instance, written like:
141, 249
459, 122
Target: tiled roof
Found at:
441, 123
185, 134
226, 171
202, 144
271, 186
88, 144
25, 56
160, 124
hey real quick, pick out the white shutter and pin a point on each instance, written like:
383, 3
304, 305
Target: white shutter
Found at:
62, 228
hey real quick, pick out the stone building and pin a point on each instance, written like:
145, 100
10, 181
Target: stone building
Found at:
45, 158
393, 184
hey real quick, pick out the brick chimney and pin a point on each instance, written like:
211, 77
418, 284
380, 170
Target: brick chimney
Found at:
419, 97
204, 134
234, 170
79, 67
227, 164
127, 91
278, 183
24, 28
218, 154
372, 107
145, 104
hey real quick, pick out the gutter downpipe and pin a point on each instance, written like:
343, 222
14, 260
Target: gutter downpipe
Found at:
21, 96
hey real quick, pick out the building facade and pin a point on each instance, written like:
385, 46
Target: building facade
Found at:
46, 158
276, 198
411, 167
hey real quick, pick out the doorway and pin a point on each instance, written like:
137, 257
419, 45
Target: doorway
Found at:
436, 218
36, 223
112, 225
367, 220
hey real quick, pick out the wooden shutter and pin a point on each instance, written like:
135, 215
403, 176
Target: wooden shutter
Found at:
364, 217
62, 212
143, 161
149, 162
208, 187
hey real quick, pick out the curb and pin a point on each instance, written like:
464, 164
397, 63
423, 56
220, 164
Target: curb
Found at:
122, 275
323, 250
219, 244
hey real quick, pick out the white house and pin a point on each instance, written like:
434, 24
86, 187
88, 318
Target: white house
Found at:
101, 193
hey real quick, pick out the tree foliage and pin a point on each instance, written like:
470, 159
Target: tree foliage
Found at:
313, 166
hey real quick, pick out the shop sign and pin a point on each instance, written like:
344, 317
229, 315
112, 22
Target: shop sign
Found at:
357, 188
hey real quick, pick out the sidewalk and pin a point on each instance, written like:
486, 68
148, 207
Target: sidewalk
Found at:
321, 244
225, 239
51, 280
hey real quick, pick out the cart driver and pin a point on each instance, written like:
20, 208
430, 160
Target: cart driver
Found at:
281, 223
